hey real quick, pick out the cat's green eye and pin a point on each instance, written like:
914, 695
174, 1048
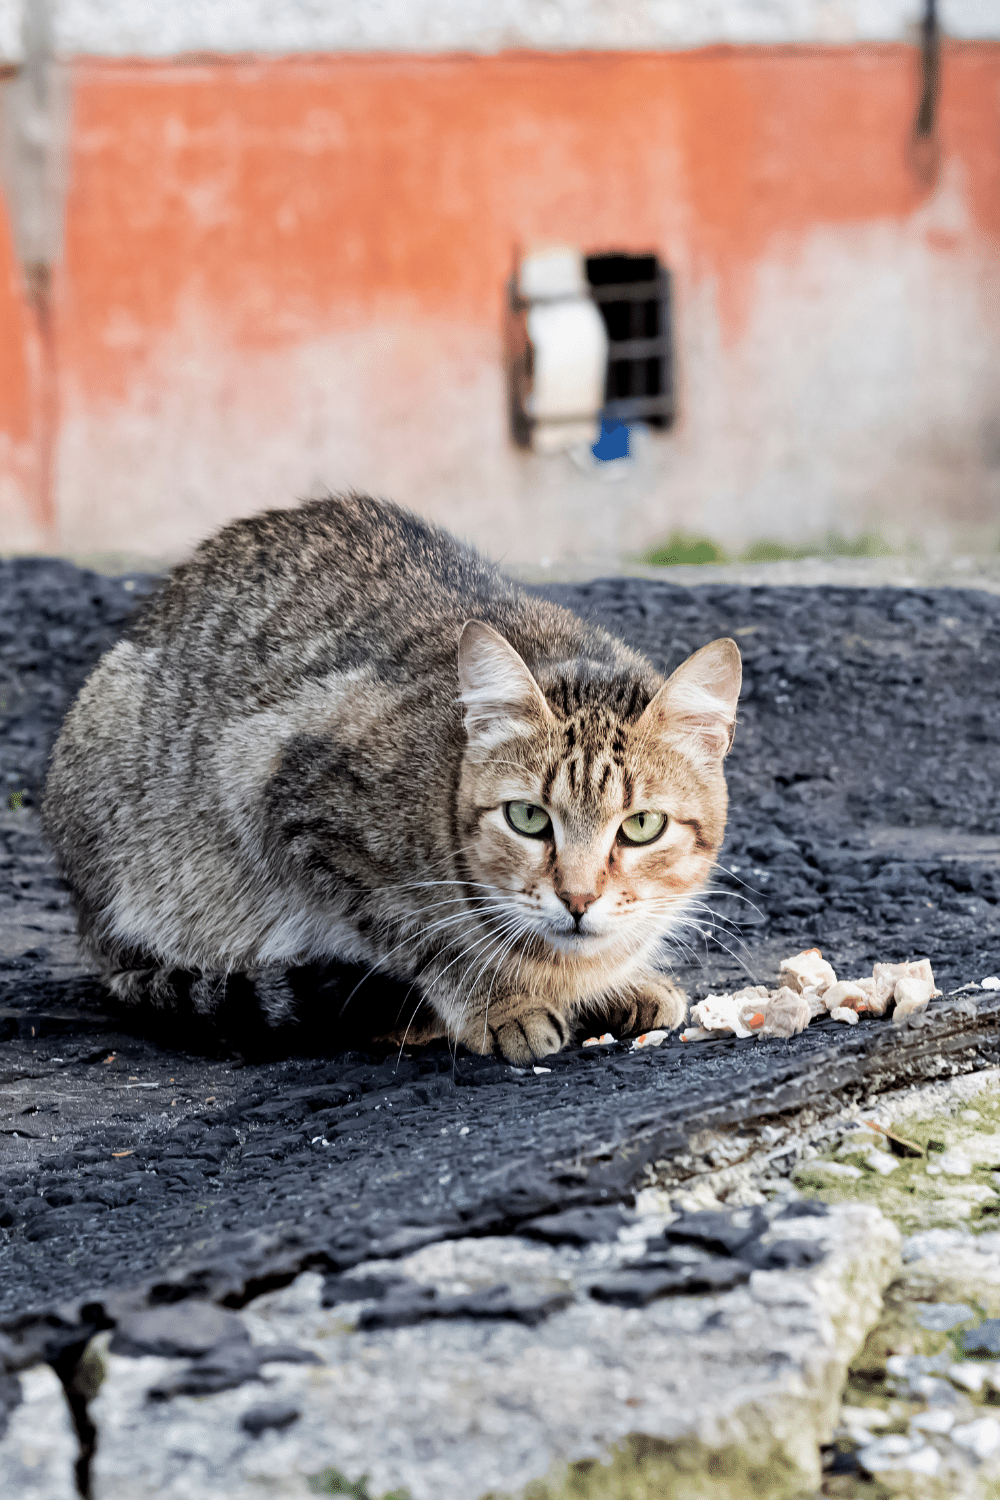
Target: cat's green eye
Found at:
643, 827
527, 818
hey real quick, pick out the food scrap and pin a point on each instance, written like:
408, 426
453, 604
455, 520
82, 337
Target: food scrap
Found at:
845, 1013
808, 987
719, 1013
649, 1039
599, 1041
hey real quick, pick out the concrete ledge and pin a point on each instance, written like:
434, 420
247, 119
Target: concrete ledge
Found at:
717, 1396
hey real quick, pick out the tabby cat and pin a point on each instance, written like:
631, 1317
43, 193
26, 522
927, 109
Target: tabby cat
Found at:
336, 732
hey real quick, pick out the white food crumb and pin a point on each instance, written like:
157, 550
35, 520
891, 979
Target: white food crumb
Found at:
650, 1039
911, 996
719, 1013
847, 992
887, 977
991, 982
808, 968
844, 1013
787, 1014
697, 1034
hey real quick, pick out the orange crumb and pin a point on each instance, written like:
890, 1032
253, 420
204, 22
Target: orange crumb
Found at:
756, 1020
121, 1153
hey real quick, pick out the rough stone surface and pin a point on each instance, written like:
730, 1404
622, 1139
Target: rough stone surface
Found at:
38, 1450
746, 1381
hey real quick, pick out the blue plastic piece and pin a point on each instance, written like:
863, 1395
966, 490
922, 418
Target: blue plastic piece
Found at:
612, 443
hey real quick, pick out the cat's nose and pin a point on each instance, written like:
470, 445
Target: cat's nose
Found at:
576, 903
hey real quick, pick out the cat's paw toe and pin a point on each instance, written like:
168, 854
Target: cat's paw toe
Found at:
657, 1006
531, 1037
662, 1007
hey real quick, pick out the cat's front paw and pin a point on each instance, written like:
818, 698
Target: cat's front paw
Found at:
521, 1037
653, 1005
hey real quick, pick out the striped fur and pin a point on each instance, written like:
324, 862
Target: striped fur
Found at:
303, 748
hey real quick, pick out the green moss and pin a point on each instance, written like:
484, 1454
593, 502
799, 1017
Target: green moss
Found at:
333, 1482
648, 1468
911, 1196
90, 1371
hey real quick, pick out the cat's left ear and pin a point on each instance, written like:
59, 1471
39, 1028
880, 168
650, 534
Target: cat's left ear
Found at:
499, 695
696, 706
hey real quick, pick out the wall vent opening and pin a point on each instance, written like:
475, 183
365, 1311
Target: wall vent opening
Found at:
634, 296
589, 349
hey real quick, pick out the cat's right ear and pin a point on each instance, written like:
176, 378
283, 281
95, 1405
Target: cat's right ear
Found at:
696, 707
498, 693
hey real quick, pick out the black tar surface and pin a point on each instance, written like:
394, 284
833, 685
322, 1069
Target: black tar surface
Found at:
155, 1149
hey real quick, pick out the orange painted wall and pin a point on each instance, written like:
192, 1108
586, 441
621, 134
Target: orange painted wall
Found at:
287, 197
22, 503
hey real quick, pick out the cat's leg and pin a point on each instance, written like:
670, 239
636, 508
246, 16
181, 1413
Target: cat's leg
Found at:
519, 1027
275, 995
207, 993
148, 984
652, 1003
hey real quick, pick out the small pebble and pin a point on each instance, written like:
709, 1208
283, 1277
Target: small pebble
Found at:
899, 1452
983, 1340
937, 1419
968, 1376
276, 1414
980, 1438
950, 1164
942, 1317
881, 1162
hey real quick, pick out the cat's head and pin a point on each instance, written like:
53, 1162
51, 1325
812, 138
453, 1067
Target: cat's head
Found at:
592, 804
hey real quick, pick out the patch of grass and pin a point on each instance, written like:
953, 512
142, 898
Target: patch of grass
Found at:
16, 801
682, 549
833, 544
333, 1482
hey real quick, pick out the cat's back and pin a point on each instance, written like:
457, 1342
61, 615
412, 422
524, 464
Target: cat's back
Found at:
337, 582
344, 584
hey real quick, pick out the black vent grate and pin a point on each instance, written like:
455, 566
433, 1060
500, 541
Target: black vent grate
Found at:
633, 294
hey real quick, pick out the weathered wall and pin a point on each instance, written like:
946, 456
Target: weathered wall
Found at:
285, 273
150, 28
